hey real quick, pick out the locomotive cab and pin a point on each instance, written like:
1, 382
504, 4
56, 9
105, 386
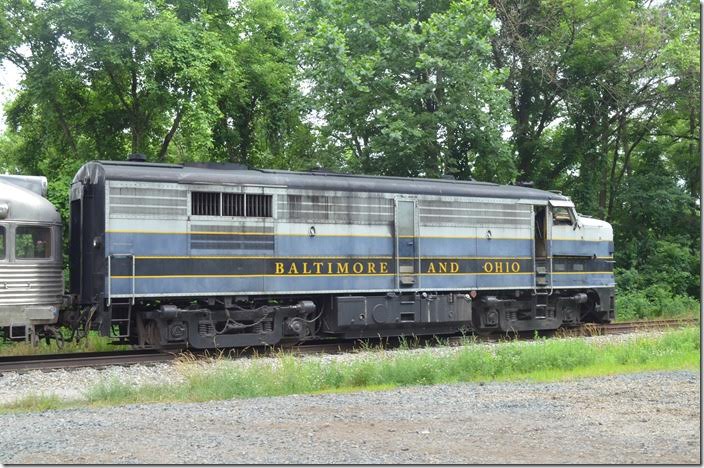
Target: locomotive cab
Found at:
31, 276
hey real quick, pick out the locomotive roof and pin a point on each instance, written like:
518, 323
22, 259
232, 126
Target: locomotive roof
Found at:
26, 205
231, 174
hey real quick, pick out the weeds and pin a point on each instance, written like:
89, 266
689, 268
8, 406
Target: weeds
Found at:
284, 375
92, 343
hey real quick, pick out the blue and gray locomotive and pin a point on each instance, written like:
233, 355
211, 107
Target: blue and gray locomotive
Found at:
219, 255
206, 255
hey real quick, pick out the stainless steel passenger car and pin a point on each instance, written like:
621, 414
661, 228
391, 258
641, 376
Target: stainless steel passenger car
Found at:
31, 277
225, 256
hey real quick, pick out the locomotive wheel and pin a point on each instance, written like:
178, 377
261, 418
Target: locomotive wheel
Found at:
148, 333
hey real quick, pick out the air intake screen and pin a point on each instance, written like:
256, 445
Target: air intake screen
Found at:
233, 204
205, 203
259, 206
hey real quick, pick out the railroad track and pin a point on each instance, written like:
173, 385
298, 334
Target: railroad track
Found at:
637, 325
97, 360
75, 360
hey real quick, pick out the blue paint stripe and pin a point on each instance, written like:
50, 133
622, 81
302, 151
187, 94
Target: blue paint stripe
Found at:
178, 245
265, 285
587, 279
146, 244
334, 246
599, 249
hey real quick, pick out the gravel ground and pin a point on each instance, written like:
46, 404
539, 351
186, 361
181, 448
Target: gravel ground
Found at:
638, 418
73, 384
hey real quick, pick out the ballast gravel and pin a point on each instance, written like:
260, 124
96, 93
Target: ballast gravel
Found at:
634, 418
74, 383
638, 418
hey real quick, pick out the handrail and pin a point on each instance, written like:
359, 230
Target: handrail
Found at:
535, 271
109, 288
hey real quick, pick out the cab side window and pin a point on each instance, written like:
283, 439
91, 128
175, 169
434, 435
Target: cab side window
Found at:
2, 242
561, 216
32, 242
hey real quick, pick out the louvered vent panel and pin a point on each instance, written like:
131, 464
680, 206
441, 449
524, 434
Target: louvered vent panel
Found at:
337, 209
233, 204
258, 205
205, 203
442, 213
143, 201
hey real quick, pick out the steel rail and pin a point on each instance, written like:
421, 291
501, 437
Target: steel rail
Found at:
76, 360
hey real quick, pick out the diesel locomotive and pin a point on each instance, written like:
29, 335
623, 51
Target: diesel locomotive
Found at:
207, 255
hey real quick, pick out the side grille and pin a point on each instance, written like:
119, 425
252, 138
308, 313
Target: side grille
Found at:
251, 205
441, 213
349, 209
130, 201
232, 204
259, 205
205, 203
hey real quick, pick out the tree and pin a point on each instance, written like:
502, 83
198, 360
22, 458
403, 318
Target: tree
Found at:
102, 79
260, 108
407, 88
108, 78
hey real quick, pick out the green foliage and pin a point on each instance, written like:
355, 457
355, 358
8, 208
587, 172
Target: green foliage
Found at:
407, 89
652, 302
595, 98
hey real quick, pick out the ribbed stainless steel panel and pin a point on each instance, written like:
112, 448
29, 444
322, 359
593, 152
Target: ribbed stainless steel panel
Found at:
30, 283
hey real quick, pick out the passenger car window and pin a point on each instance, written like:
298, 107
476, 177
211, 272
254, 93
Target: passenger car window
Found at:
32, 242
561, 216
2, 242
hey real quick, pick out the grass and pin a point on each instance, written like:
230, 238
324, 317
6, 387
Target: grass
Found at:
543, 360
92, 343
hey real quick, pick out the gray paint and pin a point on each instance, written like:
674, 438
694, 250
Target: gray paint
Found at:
133, 171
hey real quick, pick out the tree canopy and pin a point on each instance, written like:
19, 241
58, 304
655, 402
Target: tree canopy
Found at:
596, 98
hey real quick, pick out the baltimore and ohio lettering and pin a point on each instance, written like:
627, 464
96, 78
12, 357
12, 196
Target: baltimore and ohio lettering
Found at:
331, 268
377, 267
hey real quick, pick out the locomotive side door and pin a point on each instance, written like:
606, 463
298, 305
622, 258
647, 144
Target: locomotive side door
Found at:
542, 235
406, 244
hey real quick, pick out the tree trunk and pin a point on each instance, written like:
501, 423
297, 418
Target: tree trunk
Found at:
169, 136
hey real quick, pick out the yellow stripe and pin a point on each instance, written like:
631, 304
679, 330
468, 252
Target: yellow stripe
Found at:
579, 257
308, 276
219, 233
582, 273
356, 274
479, 273
283, 257
264, 257
467, 258
469, 237
252, 276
